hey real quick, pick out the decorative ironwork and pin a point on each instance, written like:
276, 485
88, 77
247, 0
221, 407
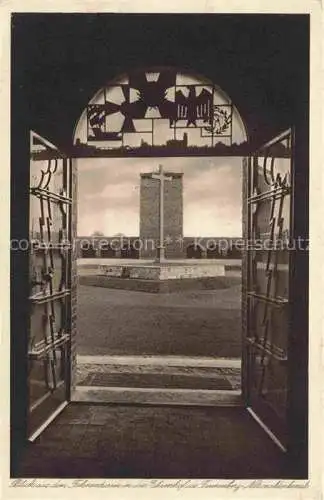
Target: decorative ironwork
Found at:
40, 351
49, 258
158, 112
221, 120
148, 102
268, 270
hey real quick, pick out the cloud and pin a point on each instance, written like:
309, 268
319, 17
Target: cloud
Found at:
213, 183
109, 194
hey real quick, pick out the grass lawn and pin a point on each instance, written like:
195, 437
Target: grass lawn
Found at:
192, 323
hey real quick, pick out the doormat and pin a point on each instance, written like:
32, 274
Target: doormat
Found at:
155, 381
211, 378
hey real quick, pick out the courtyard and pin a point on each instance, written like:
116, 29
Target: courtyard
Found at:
204, 323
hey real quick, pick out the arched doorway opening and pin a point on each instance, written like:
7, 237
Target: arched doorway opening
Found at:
88, 251
107, 251
194, 252
215, 252
214, 120
234, 253
192, 129
129, 252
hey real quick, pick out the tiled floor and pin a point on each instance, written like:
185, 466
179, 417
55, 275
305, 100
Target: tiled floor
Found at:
109, 441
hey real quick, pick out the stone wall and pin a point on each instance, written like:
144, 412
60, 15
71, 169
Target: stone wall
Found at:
164, 272
207, 245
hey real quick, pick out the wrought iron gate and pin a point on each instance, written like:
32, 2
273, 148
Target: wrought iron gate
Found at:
266, 299
50, 282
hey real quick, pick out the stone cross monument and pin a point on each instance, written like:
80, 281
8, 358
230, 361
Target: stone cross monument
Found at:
162, 177
161, 215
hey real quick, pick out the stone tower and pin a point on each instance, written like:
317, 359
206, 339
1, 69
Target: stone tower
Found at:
150, 215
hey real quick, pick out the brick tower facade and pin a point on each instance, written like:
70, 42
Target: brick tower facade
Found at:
150, 215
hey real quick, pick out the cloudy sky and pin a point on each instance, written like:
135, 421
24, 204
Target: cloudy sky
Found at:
108, 198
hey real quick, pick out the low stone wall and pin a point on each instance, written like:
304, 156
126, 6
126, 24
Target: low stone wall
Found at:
159, 286
163, 272
191, 271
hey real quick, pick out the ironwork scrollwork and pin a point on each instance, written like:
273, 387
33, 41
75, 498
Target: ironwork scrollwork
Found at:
46, 175
221, 120
269, 185
53, 200
271, 178
137, 103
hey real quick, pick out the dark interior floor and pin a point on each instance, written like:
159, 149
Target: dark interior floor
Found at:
107, 441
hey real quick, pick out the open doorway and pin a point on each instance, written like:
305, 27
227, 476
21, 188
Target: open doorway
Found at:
159, 314
274, 315
145, 332
159, 231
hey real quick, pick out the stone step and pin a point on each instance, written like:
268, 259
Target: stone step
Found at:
159, 286
158, 376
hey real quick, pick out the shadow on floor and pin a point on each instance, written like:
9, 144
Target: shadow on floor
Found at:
107, 441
